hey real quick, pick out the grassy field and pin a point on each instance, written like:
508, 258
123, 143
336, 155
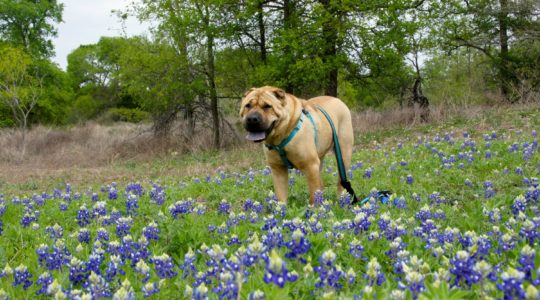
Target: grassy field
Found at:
463, 222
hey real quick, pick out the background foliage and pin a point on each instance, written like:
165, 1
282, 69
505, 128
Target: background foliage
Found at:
203, 54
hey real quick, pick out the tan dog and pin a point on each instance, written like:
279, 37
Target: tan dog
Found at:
271, 115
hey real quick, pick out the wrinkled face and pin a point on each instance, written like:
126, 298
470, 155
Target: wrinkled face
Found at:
261, 109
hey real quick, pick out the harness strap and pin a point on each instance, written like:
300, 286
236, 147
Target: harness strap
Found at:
339, 158
280, 148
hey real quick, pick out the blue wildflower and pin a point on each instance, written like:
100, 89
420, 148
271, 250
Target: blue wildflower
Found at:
164, 266
22, 276
277, 272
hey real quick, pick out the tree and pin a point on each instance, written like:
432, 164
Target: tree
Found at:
492, 28
30, 24
20, 87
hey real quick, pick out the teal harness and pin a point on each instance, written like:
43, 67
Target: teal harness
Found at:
337, 149
281, 147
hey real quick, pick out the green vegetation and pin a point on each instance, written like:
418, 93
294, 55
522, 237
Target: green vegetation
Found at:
202, 54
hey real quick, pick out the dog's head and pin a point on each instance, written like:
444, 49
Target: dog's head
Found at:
261, 110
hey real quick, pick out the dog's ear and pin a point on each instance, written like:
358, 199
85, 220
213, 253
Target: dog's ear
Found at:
249, 91
280, 94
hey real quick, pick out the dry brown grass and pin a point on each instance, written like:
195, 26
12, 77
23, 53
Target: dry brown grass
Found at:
95, 151
371, 120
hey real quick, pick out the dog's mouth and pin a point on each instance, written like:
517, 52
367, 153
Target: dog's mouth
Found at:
259, 136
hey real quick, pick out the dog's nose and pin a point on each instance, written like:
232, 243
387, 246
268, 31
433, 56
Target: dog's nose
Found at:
253, 119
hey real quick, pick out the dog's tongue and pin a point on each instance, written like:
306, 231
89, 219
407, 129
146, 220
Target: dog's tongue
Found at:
256, 136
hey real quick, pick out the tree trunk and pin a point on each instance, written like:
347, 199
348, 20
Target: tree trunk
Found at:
503, 41
212, 85
288, 24
262, 30
330, 37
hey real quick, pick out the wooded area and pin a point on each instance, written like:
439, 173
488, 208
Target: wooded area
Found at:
203, 54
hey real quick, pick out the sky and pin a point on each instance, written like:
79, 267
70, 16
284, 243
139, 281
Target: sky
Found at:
85, 21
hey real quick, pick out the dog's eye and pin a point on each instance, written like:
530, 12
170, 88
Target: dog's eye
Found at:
267, 106
248, 106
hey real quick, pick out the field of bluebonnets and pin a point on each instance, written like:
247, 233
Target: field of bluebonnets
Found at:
463, 222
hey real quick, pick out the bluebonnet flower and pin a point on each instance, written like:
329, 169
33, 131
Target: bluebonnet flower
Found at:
55, 232
199, 293
395, 246
180, 208
298, 245
529, 232
330, 274
507, 242
164, 266
150, 289
78, 272
102, 235
519, 205
273, 239
227, 287
270, 222
97, 287
132, 204
55, 259
512, 284
436, 199
368, 173
84, 236
200, 209
123, 226
188, 266
415, 283
356, 249
409, 179
223, 229
113, 193
463, 269
234, 240
345, 199
83, 216
151, 231
360, 223
157, 195
63, 206
27, 219
22, 276
374, 275
57, 193
45, 279
94, 197
142, 268
399, 202
114, 268
318, 198
99, 208
256, 295
526, 261
125, 292
135, 188
277, 272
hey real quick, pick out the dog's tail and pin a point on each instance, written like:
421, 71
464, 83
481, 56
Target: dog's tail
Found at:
339, 158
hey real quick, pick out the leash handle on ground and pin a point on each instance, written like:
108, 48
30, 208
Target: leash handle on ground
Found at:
341, 166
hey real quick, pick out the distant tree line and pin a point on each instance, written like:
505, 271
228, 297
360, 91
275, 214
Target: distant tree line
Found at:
203, 54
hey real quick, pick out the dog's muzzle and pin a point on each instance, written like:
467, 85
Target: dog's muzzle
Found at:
254, 125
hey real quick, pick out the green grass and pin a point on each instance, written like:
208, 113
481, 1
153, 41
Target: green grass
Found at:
398, 153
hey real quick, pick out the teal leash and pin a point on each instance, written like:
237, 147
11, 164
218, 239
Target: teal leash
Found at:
339, 158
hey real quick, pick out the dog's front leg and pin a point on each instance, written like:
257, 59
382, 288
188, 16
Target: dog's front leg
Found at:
313, 176
280, 175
